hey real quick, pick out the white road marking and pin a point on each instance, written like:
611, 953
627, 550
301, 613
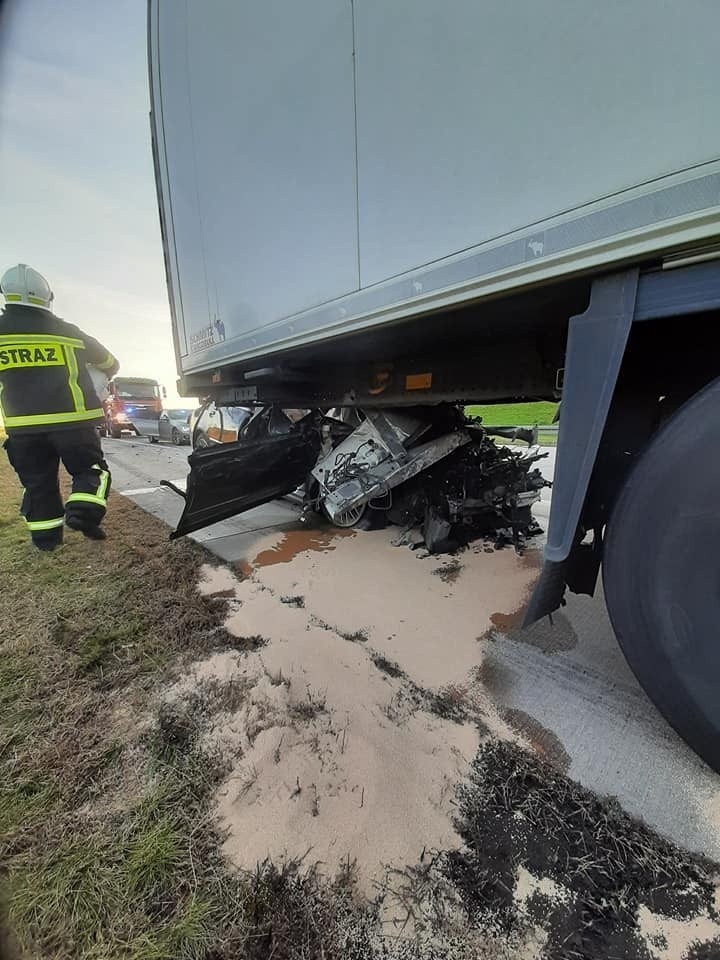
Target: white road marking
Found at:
135, 492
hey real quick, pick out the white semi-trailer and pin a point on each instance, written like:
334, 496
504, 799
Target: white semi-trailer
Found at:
385, 204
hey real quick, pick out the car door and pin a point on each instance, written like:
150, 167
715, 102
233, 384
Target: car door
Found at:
164, 426
269, 461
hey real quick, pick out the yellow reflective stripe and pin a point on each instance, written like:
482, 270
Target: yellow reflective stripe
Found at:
107, 363
87, 498
77, 394
16, 298
104, 480
45, 524
19, 357
40, 338
48, 419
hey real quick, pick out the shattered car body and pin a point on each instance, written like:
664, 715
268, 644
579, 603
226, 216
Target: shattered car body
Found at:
427, 466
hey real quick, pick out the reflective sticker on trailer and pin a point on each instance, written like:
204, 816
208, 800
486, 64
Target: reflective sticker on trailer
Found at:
17, 355
418, 381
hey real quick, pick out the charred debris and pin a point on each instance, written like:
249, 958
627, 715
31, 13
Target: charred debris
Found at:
431, 468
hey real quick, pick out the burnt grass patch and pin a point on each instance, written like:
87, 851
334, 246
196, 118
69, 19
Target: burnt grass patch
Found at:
516, 809
449, 572
704, 951
245, 644
389, 667
176, 731
310, 707
298, 602
354, 636
448, 703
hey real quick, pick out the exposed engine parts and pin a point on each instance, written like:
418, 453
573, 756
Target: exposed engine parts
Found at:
431, 467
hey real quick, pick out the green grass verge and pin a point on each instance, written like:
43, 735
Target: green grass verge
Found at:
514, 414
90, 867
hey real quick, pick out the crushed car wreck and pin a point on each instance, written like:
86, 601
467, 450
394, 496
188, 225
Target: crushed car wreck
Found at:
430, 467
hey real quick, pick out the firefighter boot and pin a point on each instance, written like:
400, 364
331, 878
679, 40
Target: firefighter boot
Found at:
91, 531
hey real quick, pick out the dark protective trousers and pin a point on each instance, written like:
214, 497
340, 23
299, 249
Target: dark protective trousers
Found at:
36, 458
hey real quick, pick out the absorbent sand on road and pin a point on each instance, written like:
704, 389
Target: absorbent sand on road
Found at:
364, 705
339, 641
362, 742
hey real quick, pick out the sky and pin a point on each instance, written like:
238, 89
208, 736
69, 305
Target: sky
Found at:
77, 190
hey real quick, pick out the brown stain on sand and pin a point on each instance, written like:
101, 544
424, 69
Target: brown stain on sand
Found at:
542, 740
551, 634
295, 542
242, 569
532, 560
494, 676
504, 622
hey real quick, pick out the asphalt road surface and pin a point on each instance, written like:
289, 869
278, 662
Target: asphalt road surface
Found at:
565, 685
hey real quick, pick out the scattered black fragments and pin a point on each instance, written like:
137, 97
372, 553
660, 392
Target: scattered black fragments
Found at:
449, 572
294, 602
516, 809
474, 492
389, 667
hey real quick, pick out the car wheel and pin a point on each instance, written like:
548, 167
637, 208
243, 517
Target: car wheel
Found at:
175, 437
348, 518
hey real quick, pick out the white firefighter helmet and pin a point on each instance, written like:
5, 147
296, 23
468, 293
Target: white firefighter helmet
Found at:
23, 285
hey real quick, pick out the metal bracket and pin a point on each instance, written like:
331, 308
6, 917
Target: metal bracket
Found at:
385, 476
175, 489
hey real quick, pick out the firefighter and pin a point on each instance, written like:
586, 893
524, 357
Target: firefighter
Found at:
50, 410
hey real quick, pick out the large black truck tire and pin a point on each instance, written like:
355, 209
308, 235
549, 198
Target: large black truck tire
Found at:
661, 571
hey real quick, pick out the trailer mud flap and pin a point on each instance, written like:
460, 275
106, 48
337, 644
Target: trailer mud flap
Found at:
595, 350
227, 480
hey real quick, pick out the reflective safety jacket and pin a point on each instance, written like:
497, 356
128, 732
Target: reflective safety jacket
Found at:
44, 382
